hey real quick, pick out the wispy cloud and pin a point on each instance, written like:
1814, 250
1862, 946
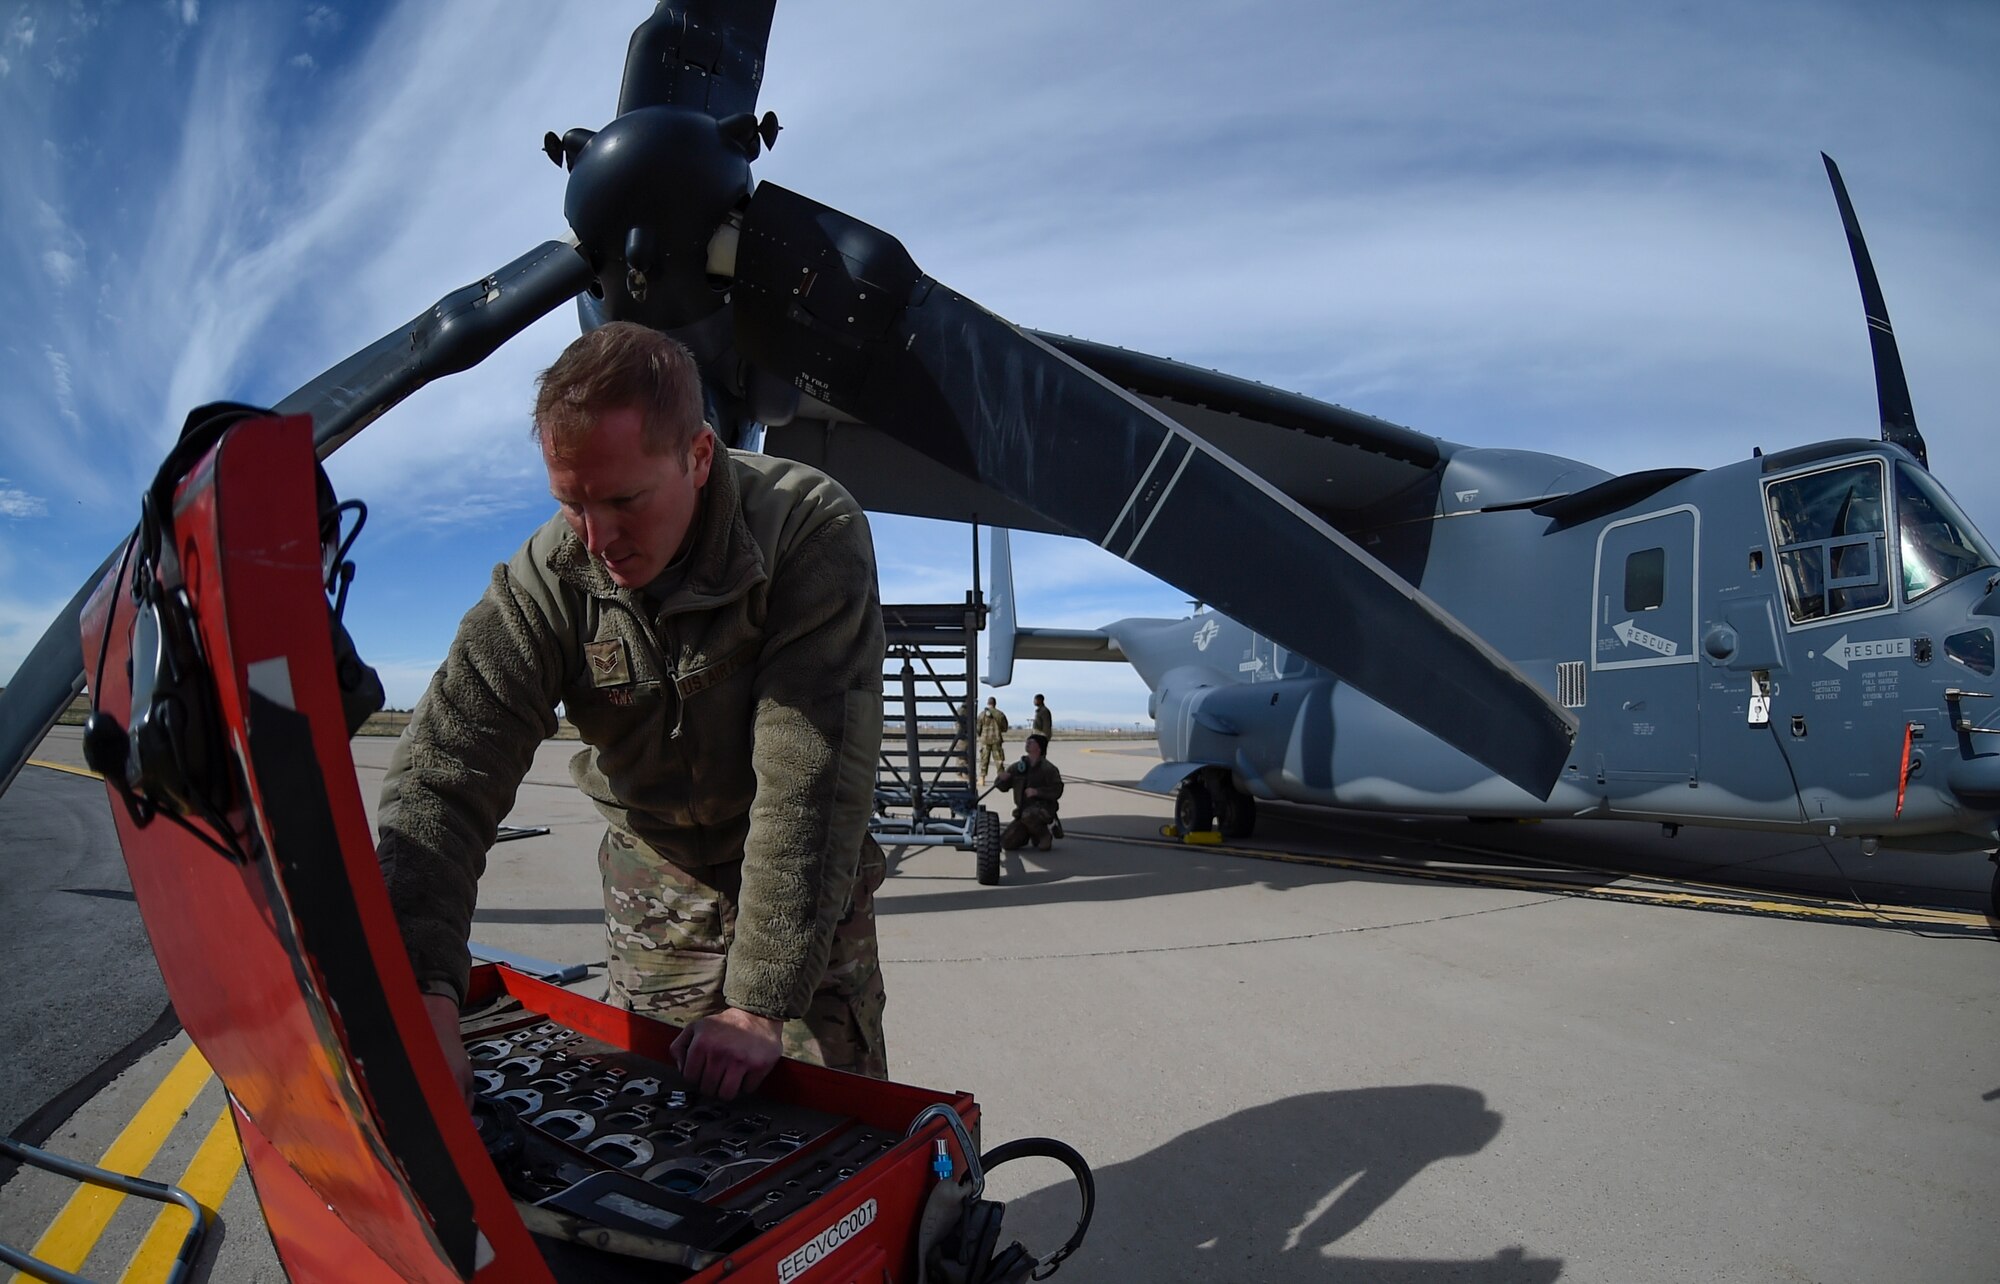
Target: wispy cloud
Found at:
21, 625
61, 266
15, 502
323, 20
59, 378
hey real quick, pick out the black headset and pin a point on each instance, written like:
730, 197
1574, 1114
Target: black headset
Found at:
169, 756
970, 1252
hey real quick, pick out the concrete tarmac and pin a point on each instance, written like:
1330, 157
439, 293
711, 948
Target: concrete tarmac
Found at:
1348, 1049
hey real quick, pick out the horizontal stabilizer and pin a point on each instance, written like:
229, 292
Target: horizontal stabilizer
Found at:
1066, 644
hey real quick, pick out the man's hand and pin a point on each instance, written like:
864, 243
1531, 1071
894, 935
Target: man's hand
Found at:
730, 1052
443, 1011
1029, 792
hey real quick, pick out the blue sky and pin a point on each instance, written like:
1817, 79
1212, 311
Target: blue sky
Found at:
1595, 229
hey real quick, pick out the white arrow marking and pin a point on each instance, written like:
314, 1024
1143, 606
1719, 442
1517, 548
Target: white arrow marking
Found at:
1844, 652
1632, 635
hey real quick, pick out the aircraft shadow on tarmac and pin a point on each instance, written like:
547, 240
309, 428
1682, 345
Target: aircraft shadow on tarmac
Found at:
1268, 1193
1082, 871
1781, 863
1079, 870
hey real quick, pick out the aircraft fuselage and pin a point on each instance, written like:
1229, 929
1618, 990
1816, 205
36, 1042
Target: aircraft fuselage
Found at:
1796, 641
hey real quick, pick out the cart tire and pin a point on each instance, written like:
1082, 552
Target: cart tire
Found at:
986, 846
1239, 813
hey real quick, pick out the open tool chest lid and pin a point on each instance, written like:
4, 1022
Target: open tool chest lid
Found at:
277, 944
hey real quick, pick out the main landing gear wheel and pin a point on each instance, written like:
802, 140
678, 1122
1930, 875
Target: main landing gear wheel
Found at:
1237, 815
1194, 809
986, 846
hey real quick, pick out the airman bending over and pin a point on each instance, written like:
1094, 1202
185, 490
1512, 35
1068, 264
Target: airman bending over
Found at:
710, 623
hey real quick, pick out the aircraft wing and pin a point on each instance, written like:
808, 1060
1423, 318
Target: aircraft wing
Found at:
1334, 461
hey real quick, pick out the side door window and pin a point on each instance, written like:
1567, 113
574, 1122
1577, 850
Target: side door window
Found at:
1644, 663
1828, 530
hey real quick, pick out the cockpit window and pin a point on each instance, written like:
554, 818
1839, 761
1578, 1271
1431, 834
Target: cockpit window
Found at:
1938, 544
1831, 540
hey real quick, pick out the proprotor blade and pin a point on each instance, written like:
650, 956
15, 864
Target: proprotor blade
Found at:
455, 333
705, 54
839, 308
1892, 390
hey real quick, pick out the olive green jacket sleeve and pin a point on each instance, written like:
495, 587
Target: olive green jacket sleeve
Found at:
460, 761
817, 734
1043, 778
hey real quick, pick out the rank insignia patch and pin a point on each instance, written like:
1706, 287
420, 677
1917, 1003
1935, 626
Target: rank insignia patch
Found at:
607, 663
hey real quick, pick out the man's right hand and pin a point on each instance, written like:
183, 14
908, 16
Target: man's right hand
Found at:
729, 1052
443, 1012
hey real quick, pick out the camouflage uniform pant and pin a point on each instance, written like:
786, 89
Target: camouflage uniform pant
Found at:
991, 754
1031, 822
669, 935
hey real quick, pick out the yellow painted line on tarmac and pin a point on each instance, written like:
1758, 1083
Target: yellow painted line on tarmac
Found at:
80, 1224
1805, 908
63, 766
208, 1177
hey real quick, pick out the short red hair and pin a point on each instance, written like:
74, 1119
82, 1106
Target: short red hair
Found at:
617, 365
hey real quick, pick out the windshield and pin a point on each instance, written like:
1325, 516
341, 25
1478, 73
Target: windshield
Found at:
1939, 545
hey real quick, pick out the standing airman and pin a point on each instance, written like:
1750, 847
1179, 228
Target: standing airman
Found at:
992, 727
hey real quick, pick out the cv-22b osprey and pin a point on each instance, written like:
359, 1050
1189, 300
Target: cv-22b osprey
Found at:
1801, 640
1792, 642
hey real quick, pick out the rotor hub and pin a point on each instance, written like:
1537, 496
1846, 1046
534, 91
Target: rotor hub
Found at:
646, 194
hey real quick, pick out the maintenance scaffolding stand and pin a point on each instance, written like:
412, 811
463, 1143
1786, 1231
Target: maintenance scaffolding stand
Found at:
925, 794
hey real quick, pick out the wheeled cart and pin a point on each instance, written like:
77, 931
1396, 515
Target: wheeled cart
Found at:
924, 791
217, 716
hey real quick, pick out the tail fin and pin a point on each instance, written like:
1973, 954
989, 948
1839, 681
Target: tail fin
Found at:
1010, 641
1000, 621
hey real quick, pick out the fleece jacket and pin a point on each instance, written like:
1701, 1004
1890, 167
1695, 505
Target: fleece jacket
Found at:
740, 720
